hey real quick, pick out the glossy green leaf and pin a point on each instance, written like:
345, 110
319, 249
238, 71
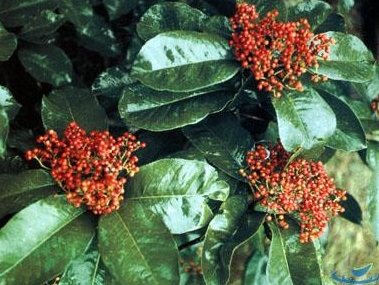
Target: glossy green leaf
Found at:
162, 110
137, 248
349, 135
39, 242
93, 32
47, 63
219, 25
169, 16
15, 13
314, 11
291, 262
369, 90
178, 190
40, 26
8, 110
350, 59
98, 36
334, 22
19, 190
184, 61
304, 119
222, 141
72, 104
225, 233
111, 82
8, 43
87, 269
116, 8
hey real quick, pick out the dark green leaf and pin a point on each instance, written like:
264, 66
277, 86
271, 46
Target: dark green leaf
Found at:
15, 13
87, 269
353, 211
369, 90
136, 247
116, 8
111, 82
256, 269
47, 63
169, 16
184, 61
334, 22
45, 237
314, 11
291, 262
8, 110
8, 43
77, 12
225, 233
304, 119
350, 59
178, 190
40, 26
72, 104
93, 32
19, 190
162, 110
222, 141
349, 135
219, 25
98, 36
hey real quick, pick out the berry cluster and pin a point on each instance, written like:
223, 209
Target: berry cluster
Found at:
277, 53
300, 188
91, 169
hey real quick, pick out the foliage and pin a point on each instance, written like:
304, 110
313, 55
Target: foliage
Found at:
167, 72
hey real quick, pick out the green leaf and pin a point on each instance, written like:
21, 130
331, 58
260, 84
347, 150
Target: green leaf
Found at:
98, 36
222, 141
136, 247
169, 16
291, 262
184, 61
349, 135
116, 8
40, 26
304, 119
111, 82
219, 25
314, 11
93, 32
345, 6
353, 211
225, 233
350, 59
162, 110
72, 104
178, 190
39, 242
369, 90
8, 111
8, 43
19, 190
87, 269
47, 63
16, 13
334, 22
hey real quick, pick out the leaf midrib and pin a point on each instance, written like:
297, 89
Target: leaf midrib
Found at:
135, 245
